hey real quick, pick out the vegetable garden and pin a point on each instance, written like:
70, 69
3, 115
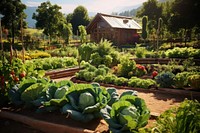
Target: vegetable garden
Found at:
92, 95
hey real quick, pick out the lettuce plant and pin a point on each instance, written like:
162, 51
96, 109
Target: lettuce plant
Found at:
129, 114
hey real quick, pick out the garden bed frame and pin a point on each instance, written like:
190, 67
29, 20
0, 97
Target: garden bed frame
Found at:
161, 60
55, 74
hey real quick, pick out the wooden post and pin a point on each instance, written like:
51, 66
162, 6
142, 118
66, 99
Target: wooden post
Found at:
23, 50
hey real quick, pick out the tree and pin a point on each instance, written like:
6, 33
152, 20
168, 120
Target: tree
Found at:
48, 17
144, 27
184, 14
65, 31
153, 10
13, 11
83, 33
79, 17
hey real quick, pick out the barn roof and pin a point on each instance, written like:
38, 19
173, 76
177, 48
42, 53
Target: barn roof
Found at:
117, 21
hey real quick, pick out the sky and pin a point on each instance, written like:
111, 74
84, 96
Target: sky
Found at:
100, 6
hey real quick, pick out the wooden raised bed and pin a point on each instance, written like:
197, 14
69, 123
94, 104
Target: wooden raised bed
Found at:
161, 60
187, 93
52, 122
55, 74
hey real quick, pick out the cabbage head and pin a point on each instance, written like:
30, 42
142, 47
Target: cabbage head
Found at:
129, 114
60, 92
85, 101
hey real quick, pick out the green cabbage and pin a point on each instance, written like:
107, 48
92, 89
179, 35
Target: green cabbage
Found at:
60, 92
86, 99
129, 114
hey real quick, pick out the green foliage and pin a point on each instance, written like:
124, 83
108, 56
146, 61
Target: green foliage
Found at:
78, 17
33, 92
126, 66
182, 17
129, 114
194, 81
90, 72
141, 83
152, 10
110, 78
83, 33
85, 51
65, 31
183, 52
12, 10
165, 79
121, 81
181, 79
144, 27
51, 63
97, 54
184, 119
49, 18
85, 101
63, 52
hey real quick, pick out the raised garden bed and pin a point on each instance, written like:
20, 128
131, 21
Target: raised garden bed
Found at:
52, 122
187, 92
55, 74
161, 60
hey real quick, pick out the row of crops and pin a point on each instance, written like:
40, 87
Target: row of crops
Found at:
23, 84
124, 112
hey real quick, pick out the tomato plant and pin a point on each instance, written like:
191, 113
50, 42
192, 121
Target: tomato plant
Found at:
154, 73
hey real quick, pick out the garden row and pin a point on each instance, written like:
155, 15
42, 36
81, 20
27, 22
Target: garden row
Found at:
86, 102
128, 73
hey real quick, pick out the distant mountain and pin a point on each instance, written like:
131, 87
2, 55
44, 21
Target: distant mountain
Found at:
29, 12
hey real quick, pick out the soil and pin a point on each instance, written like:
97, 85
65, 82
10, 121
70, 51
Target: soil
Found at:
157, 103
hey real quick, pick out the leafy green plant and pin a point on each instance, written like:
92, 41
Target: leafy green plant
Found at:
194, 81
165, 79
126, 66
121, 81
110, 78
141, 83
85, 101
181, 79
184, 119
129, 114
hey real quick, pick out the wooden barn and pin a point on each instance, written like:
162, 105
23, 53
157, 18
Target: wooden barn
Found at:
118, 29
